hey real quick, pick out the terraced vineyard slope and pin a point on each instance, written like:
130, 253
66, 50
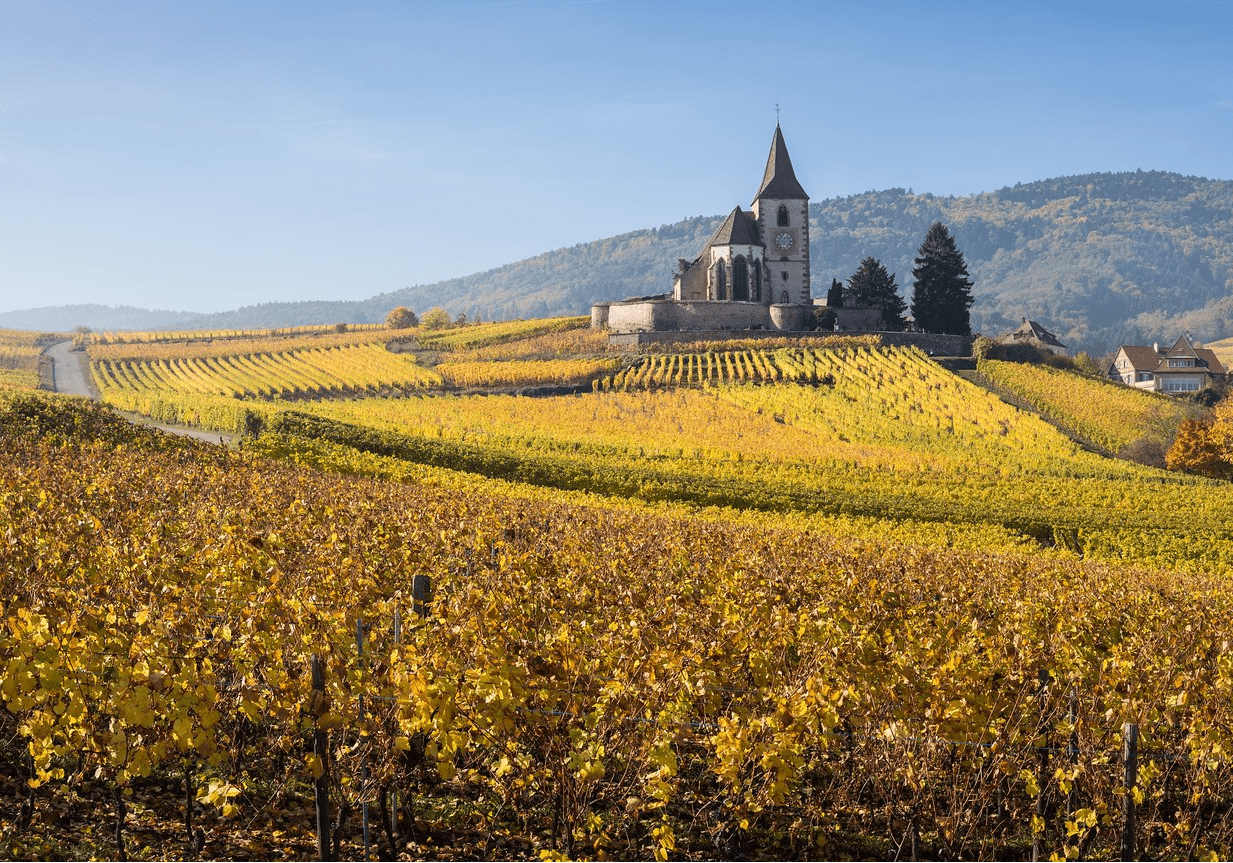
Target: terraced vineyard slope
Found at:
586, 681
1111, 415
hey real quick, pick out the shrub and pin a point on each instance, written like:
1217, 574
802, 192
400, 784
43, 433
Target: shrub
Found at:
401, 318
436, 318
981, 347
1144, 451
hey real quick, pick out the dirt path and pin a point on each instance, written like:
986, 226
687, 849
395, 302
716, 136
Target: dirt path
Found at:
72, 377
72, 371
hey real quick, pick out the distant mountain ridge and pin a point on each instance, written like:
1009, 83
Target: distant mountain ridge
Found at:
1100, 259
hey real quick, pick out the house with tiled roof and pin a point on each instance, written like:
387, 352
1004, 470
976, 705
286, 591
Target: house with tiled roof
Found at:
1182, 368
1034, 335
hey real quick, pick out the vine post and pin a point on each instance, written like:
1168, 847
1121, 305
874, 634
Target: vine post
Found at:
1130, 778
421, 590
359, 655
321, 748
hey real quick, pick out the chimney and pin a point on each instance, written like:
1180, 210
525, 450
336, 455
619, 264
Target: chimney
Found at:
1156, 347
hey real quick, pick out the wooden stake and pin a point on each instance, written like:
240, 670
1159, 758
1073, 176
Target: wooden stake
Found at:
321, 748
421, 594
1130, 764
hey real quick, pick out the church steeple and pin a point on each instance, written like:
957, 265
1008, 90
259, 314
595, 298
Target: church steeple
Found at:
779, 181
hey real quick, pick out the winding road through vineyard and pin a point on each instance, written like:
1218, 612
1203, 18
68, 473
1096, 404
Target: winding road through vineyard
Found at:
72, 377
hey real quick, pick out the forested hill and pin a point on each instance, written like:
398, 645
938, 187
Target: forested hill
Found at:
1099, 259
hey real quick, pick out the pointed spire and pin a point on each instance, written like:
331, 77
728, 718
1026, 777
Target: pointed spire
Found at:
780, 181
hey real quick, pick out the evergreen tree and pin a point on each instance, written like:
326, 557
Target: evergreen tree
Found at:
943, 290
871, 287
834, 297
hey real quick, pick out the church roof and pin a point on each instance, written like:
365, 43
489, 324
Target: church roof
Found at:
739, 229
779, 180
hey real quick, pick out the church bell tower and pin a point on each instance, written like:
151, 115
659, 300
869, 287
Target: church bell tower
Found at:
781, 208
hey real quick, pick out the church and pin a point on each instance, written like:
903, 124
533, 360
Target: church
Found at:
737, 265
753, 274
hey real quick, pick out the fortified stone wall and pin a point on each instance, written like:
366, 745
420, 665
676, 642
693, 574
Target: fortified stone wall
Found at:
792, 317
658, 316
934, 344
857, 320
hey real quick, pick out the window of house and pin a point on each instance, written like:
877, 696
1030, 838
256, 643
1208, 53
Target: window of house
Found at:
783, 216
1181, 364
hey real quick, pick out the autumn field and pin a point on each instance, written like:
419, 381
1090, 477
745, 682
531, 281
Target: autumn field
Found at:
818, 599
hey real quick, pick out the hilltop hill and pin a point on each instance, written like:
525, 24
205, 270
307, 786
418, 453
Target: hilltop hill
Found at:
1099, 258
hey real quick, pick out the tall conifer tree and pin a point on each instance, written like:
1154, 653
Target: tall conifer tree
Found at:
834, 297
871, 287
943, 290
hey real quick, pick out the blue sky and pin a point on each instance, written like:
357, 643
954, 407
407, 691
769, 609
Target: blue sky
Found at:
203, 156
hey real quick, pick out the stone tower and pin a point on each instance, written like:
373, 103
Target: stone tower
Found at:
781, 209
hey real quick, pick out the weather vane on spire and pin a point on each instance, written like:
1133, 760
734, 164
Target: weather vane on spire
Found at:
776, 113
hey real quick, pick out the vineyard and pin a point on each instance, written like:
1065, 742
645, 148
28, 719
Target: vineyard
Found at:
797, 599
581, 681
358, 362
181, 337
483, 335
348, 370
800, 365
881, 436
1110, 415
19, 357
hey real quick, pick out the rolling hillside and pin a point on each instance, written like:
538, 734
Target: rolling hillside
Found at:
1101, 259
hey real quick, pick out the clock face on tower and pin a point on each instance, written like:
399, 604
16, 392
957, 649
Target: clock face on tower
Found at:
783, 240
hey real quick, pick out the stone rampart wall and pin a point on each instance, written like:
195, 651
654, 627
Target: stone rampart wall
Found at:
934, 344
857, 320
669, 316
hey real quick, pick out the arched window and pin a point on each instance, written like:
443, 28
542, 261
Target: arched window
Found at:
756, 292
783, 215
740, 278
721, 281
784, 298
